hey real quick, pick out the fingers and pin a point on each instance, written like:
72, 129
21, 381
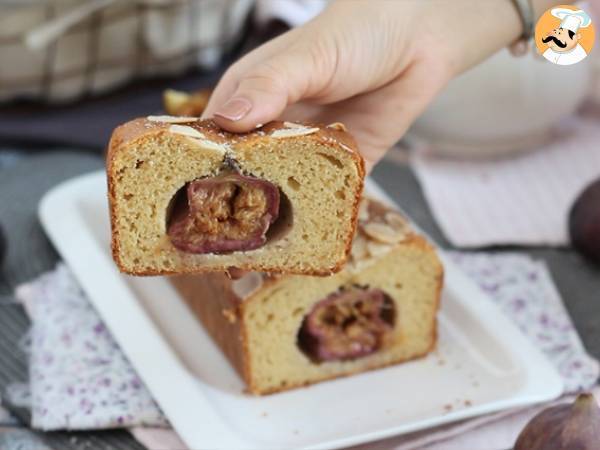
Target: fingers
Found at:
265, 90
321, 72
378, 119
259, 95
230, 80
259, 87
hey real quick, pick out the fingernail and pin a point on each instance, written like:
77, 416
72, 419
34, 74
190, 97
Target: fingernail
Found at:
234, 109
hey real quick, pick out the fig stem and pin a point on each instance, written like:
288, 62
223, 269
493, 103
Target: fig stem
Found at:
585, 400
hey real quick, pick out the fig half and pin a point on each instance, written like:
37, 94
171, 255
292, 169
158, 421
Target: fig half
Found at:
224, 213
584, 223
348, 324
574, 426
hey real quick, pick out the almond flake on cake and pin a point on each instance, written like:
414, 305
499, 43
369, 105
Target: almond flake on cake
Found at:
292, 132
172, 119
186, 131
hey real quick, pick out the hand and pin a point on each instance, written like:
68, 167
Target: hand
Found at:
372, 65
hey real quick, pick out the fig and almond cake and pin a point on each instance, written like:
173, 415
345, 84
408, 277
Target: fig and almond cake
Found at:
188, 197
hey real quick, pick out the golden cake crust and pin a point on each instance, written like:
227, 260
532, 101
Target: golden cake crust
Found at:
143, 128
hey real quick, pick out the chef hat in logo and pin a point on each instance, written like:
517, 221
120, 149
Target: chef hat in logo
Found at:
572, 20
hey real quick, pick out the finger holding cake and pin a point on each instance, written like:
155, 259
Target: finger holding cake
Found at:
188, 197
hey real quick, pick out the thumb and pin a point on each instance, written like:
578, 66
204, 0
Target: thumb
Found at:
266, 89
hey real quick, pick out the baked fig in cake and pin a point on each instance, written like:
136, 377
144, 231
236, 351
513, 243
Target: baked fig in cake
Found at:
224, 213
285, 331
188, 197
347, 324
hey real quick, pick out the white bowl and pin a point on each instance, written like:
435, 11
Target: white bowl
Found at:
504, 105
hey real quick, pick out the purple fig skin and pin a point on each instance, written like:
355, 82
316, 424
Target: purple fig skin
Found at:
584, 223
574, 426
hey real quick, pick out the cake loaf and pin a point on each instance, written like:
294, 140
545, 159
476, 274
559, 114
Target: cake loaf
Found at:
286, 331
188, 197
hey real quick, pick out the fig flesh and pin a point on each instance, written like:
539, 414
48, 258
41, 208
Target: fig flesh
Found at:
348, 324
223, 214
584, 223
574, 426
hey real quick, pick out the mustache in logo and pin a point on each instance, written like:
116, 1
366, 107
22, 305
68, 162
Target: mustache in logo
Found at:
556, 41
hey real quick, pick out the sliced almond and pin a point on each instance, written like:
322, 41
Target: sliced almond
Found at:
357, 266
359, 248
186, 131
337, 126
382, 232
230, 315
363, 210
292, 132
395, 220
172, 119
211, 145
248, 284
377, 249
293, 125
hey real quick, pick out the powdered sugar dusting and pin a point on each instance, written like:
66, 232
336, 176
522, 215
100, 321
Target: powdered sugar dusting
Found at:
248, 284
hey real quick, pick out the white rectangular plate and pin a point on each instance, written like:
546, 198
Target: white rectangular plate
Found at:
482, 364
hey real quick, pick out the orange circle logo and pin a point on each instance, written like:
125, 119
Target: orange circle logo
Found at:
564, 35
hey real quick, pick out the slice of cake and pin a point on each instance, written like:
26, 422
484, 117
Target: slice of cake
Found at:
187, 197
281, 332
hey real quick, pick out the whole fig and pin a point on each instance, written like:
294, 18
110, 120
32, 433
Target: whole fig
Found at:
584, 222
574, 426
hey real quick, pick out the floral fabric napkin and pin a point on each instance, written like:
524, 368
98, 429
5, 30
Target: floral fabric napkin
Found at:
80, 379
523, 289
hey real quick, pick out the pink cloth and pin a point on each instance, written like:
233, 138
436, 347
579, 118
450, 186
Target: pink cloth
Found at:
158, 438
524, 200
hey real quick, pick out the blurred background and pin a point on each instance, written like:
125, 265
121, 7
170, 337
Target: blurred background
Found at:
109, 61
